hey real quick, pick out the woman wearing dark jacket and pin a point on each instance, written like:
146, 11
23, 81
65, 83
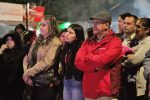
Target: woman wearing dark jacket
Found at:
72, 76
11, 83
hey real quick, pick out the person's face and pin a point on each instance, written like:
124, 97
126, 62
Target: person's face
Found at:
129, 25
120, 24
19, 30
70, 35
62, 37
140, 30
44, 27
98, 26
10, 42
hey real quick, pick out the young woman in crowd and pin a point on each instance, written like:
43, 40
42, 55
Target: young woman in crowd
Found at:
72, 76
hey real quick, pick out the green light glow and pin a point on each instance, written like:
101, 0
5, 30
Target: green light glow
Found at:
64, 25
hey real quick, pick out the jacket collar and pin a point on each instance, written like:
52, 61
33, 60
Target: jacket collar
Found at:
108, 36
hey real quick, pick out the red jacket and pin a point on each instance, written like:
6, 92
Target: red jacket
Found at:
105, 55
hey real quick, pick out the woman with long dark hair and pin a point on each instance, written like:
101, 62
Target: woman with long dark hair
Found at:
72, 76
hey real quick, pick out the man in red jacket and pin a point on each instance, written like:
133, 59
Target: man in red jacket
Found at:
99, 58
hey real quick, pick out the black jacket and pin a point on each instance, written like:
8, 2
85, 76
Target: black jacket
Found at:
68, 64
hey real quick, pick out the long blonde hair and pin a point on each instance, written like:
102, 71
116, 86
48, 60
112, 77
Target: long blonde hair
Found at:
53, 27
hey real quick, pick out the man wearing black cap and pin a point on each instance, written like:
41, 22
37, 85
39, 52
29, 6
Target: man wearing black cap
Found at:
99, 58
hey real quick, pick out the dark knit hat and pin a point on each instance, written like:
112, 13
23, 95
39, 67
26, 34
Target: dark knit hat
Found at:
15, 36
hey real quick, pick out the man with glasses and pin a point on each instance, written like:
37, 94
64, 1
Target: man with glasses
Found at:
99, 58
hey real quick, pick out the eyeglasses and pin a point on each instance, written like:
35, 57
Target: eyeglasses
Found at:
139, 27
97, 22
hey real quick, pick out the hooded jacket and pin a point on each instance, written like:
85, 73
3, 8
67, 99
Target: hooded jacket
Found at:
11, 69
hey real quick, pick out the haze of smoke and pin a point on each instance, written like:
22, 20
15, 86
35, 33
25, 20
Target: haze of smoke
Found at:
143, 7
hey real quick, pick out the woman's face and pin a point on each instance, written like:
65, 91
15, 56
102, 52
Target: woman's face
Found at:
10, 42
70, 35
44, 27
62, 37
140, 30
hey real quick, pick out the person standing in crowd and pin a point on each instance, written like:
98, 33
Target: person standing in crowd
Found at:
62, 36
42, 58
90, 33
99, 59
143, 34
129, 36
120, 24
143, 29
72, 76
135, 60
60, 71
126, 27
130, 40
28, 38
11, 69
20, 28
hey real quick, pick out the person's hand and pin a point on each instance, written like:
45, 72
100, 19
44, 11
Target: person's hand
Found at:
27, 80
3, 47
130, 57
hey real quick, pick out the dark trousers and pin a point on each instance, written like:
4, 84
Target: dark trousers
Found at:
143, 97
43, 93
128, 92
59, 91
11, 92
122, 95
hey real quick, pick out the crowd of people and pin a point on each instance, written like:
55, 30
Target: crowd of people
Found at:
63, 65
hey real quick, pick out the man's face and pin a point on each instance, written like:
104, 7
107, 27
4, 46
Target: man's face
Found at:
129, 25
98, 26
